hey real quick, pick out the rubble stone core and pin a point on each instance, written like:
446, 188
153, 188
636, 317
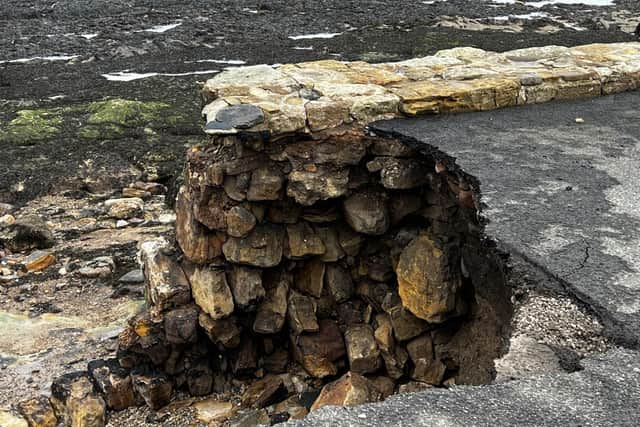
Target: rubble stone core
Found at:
317, 263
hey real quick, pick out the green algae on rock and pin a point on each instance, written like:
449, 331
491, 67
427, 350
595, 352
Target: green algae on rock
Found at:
115, 118
31, 126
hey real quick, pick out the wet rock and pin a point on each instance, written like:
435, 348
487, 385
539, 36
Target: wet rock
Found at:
166, 284
211, 291
250, 418
338, 283
224, 332
246, 287
125, 208
272, 312
154, 387
261, 248
38, 260
366, 212
350, 390
26, 234
303, 241
38, 412
302, 313
102, 267
264, 392
317, 352
362, 349
113, 382
428, 280
133, 276
213, 411
180, 325
310, 277
75, 401
240, 221
405, 324
266, 184
320, 183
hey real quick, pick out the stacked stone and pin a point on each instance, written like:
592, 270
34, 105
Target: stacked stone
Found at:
303, 259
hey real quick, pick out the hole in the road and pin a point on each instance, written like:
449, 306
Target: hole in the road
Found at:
337, 270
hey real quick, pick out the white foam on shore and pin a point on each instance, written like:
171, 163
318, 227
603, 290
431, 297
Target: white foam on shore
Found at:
222, 61
526, 16
315, 36
40, 58
162, 28
303, 47
89, 36
126, 76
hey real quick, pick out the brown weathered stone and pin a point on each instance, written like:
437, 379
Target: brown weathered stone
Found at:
75, 402
27, 233
245, 359
421, 348
429, 371
350, 390
338, 283
239, 221
200, 378
390, 147
366, 212
261, 248
291, 408
405, 324
316, 352
329, 235
180, 325
373, 293
38, 412
272, 312
125, 208
403, 174
303, 241
310, 277
385, 385
428, 279
236, 186
362, 349
114, 383
350, 241
224, 332
322, 183
166, 285
246, 286
198, 244
39, 260
250, 418
213, 411
210, 208
154, 387
266, 184
276, 362
302, 313
264, 392
211, 291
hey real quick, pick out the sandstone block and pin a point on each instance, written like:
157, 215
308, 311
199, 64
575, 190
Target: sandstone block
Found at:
350, 390
362, 349
75, 401
180, 325
239, 221
125, 208
261, 248
366, 212
272, 312
266, 184
317, 352
310, 278
303, 241
211, 291
246, 287
225, 332
166, 285
302, 313
113, 382
37, 412
154, 387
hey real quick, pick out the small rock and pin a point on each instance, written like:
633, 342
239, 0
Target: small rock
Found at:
310, 277
154, 387
429, 279
317, 352
302, 313
333, 251
166, 284
264, 392
211, 291
102, 267
121, 223
134, 276
242, 116
213, 411
240, 221
350, 390
167, 218
385, 385
250, 418
38, 412
39, 260
366, 212
579, 120
403, 174
75, 402
246, 287
261, 248
150, 187
125, 208
26, 234
113, 382
303, 241
180, 325
362, 349
135, 192
224, 332
7, 219
405, 324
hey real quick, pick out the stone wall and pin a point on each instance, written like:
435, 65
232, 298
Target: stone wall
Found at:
317, 263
